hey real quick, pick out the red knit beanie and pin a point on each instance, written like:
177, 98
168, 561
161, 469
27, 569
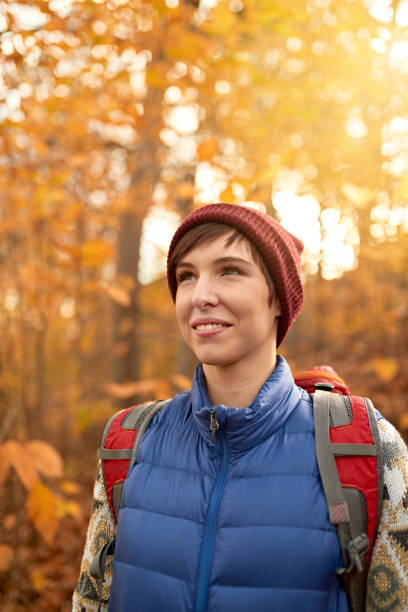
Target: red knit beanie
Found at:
280, 250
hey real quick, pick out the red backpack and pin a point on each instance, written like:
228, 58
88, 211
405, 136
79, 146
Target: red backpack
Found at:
349, 457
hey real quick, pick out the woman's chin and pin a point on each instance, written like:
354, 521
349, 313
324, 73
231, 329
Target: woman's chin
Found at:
216, 361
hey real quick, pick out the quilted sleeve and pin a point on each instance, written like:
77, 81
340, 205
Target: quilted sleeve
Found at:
387, 581
100, 530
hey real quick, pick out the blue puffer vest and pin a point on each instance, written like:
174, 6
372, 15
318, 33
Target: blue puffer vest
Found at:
238, 525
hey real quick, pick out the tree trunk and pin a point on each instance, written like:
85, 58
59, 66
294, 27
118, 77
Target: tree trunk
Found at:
126, 318
187, 361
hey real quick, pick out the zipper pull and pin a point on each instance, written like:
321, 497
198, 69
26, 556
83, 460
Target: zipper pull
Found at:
214, 425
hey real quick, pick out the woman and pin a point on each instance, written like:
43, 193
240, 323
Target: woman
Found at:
224, 510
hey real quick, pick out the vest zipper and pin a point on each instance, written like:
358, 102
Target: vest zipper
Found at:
214, 425
207, 548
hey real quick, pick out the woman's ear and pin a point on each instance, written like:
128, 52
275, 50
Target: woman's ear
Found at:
275, 303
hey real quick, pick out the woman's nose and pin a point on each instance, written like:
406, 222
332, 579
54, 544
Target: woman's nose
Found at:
204, 293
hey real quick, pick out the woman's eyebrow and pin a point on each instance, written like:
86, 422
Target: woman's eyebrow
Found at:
219, 260
230, 258
184, 264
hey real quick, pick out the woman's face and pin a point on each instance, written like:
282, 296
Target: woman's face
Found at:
223, 305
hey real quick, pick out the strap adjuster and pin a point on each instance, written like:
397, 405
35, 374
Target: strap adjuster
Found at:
355, 549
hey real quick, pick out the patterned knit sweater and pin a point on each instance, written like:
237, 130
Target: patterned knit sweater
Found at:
387, 583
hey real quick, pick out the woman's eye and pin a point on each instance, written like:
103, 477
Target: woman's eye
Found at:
232, 271
184, 276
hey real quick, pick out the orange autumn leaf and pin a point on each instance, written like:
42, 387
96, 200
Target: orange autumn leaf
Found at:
119, 295
4, 464
6, 557
183, 382
126, 390
162, 390
46, 459
10, 521
42, 509
207, 149
21, 460
403, 421
185, 190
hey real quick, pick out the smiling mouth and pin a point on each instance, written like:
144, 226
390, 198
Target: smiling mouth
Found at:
208, 326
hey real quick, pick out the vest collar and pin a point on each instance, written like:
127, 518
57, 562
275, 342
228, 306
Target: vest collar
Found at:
244, 428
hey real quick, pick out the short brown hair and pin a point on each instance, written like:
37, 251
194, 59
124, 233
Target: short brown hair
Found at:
211, 231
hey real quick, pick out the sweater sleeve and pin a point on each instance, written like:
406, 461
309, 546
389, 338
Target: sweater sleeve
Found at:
101, 529
387, 581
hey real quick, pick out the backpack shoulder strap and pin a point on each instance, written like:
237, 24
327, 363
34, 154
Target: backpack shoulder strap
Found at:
120, 444
345, 427
118, 453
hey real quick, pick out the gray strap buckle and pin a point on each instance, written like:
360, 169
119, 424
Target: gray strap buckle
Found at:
355, 549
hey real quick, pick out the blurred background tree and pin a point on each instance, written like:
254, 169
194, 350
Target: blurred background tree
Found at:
117, 118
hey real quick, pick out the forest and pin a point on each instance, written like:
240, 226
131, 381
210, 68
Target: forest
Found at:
117, 118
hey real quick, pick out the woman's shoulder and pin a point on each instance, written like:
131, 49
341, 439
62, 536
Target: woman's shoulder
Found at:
301, 419
174, 411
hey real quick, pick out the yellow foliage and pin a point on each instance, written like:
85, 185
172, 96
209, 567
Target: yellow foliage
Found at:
70, 487
46, 459
6, 557
227, 195
185, 43
72, 251
401, 192
42, 508
69, 508
155, 78
386, 368
223, 22
96, 252
359, 196
38, 580
207, 149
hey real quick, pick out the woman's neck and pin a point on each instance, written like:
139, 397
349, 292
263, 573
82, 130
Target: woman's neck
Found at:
231, 388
